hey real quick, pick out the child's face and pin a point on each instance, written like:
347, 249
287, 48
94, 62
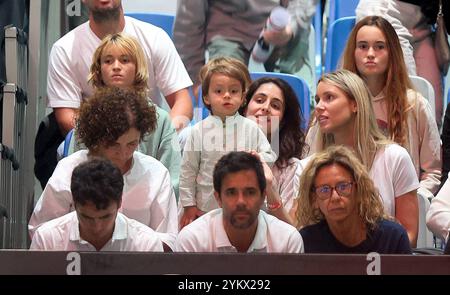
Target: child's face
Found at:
117, 68
225, 95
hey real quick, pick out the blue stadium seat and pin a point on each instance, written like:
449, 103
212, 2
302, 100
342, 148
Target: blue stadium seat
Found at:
162, 20
336, 40
340, 9
67, 142
317, 23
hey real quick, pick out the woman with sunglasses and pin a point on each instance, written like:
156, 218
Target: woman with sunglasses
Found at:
340, 210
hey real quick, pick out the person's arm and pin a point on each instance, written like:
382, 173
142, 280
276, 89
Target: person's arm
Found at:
190, 168
438, 215
430, 149
275, 205
446, 145
388, 9
189, 34
63, 88
181, 108
264, 148
163, 215
65, 118
301, 12
407, 213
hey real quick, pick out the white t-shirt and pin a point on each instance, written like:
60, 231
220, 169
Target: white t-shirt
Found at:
147, 196
438, 216
63, 234
71, 57
207, 234
392, 173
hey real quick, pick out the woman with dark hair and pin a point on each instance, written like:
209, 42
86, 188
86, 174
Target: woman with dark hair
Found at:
111, 124
272, 103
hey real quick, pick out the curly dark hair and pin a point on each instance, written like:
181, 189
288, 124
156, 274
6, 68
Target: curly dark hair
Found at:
292, 138
111, 112
98, 181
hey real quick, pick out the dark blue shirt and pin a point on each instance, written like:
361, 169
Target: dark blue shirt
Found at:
387, 238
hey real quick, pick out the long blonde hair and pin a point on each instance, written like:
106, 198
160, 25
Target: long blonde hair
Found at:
370, 207
396, 82
132, 48
368, 138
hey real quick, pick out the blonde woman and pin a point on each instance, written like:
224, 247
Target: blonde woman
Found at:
120, 61
374, 53
340, 210
344, 116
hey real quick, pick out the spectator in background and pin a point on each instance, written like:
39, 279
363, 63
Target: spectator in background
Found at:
71, 58
111, 124
239, 225
403, 115
96, 224
340, 210
412, 20
231, 28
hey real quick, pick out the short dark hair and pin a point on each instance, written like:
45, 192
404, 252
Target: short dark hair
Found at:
98, 181
235, 162
111, 112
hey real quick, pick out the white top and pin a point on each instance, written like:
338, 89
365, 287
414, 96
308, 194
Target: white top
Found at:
147, 196
71, 57
63, 234
423, 141
208, 141
392, 172
285, 179
207, 234
438, 215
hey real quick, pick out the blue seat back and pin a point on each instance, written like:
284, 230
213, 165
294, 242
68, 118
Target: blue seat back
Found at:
317, 23
336, 40
162, 20
67, 141
341, 8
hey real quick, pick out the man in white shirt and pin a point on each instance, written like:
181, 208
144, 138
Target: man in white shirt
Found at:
71, 58
239, 225
96, 224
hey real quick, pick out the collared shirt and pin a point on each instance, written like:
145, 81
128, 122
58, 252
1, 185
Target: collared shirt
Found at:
208, 141
207, 234
63, 234
147, 196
